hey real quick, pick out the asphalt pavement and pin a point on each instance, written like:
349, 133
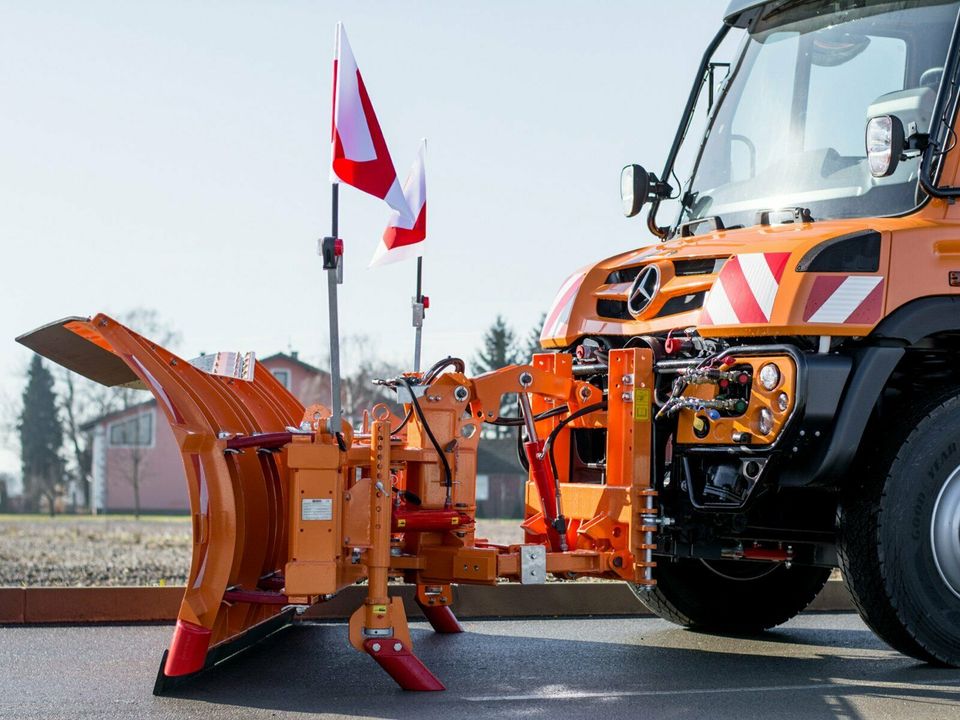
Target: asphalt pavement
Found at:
817, 666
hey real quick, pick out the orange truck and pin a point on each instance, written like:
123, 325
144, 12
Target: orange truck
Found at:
719, 419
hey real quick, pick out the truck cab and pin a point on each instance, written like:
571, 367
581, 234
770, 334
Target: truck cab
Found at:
803, 310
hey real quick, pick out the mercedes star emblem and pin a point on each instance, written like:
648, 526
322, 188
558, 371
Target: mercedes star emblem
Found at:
643, 290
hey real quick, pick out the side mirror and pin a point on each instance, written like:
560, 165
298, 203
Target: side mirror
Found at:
885, 143
637, 186
634, 181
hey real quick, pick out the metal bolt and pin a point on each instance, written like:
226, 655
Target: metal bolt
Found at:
397, 647
816, 433
626, 397
627, 380
461, 393
584, 392
526, 379
375, 647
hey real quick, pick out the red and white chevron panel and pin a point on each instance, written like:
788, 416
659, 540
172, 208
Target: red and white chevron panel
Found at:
559, 315
745, 289
845, 300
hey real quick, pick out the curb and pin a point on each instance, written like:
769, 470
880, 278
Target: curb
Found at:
20, 606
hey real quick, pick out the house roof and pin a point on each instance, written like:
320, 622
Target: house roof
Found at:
90, 424
294, 359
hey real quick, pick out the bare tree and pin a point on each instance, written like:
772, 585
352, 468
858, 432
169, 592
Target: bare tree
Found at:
83, 401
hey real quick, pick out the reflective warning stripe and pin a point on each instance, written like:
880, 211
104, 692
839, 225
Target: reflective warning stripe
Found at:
845, 300
556, 323
745, 290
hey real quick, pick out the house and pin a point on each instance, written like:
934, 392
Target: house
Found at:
500, 479
136, 461
135, 452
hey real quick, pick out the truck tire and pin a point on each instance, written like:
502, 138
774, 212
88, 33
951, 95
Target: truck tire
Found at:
899, 545
738, 597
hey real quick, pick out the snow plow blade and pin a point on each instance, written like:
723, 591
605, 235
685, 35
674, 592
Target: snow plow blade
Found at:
229, 430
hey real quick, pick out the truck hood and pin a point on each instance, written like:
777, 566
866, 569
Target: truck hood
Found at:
742, 282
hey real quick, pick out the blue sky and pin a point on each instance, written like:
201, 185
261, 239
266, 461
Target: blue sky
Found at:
174, 155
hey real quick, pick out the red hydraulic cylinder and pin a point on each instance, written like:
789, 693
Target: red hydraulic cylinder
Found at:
546, 487
405, 519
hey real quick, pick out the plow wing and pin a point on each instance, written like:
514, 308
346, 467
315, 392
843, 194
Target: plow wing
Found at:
238, 500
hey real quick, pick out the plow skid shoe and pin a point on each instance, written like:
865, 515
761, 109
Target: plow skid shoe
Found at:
407, 670
229, 428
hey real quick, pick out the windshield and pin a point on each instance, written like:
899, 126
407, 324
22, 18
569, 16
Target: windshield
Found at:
789, 128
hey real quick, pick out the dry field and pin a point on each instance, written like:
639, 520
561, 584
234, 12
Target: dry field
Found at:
118, 550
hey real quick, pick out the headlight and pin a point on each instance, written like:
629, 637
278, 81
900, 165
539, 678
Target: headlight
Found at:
765, 421
783, 402
769, 376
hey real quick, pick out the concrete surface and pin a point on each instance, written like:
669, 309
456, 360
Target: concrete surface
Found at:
817, 666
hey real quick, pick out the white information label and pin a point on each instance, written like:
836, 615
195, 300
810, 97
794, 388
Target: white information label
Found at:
316, 509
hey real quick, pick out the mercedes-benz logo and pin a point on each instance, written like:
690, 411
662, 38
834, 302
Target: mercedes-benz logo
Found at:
643, 290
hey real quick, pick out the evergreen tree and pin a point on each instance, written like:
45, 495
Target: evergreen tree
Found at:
533, 338
41, 437
499, 350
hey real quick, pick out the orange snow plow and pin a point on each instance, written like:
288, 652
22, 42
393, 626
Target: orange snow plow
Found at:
286, 514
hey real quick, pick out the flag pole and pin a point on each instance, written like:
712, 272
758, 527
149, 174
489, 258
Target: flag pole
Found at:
417, 305
332, 251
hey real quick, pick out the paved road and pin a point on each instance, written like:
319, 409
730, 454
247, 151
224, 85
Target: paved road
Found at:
827, 666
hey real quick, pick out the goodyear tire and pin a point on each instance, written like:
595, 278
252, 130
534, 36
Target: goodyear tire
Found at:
737, 597
900, 538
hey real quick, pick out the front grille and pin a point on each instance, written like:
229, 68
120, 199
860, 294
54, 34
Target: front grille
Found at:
624, 275
683, 268
682, 303
615, 309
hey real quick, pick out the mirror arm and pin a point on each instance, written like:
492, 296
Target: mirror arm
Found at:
701, 76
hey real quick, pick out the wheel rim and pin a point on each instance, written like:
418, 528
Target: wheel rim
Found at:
945, 532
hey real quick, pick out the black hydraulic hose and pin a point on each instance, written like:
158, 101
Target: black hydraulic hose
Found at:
434, 371
403, 423
448, 475
551, 438
518, 422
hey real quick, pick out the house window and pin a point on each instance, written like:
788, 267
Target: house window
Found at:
483, 487
283, 376
136, 431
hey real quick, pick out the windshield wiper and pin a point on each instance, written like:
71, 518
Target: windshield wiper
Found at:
784, 216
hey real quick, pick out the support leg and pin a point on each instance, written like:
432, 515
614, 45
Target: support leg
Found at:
379, 626
435, 602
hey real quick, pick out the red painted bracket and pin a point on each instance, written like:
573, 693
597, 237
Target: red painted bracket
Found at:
441, 618
407, 670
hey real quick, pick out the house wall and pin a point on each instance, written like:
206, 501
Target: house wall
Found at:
162, 480
307, 386
504, 495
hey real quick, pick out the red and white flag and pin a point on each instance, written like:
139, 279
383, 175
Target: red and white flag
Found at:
404, 237
360, 154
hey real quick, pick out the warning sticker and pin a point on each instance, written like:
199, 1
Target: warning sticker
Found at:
641, 405
316, 509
